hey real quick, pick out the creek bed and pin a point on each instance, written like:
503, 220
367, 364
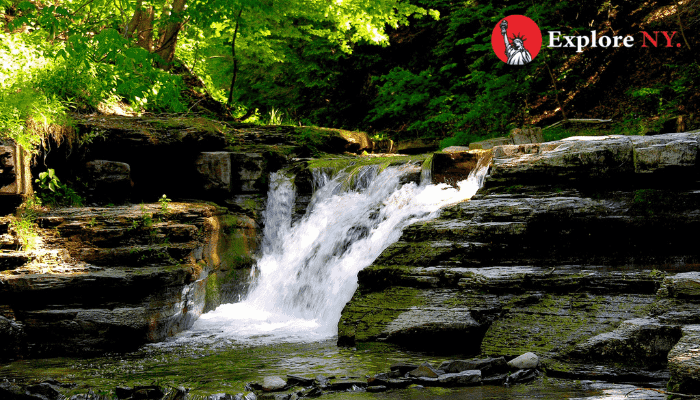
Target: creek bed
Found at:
208, 367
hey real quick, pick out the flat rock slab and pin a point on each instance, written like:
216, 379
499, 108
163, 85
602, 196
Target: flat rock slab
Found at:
464, 378
585, 157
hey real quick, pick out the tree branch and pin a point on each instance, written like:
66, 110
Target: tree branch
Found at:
235, 60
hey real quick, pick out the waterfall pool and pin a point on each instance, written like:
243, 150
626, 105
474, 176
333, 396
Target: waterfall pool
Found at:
226, 366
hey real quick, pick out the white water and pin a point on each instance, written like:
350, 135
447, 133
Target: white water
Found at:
308, 271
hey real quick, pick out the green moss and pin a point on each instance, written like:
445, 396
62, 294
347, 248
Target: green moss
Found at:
417, 253
554, 324
199, 124
365, 316
237, 243
212, 298
339, 163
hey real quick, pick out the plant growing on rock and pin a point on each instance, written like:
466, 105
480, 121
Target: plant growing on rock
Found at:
53, 192
24, 223
164, 204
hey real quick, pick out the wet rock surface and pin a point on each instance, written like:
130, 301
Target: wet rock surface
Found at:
578, 250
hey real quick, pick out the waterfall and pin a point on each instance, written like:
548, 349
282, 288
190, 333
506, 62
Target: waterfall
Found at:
308, 270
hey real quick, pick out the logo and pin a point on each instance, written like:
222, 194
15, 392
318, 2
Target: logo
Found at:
516, 40
556, 39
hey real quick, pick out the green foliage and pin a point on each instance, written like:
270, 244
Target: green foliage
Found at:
54, 193
23, 99
104, 69
23, 224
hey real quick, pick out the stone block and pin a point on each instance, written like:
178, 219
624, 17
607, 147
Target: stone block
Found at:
15, 176
684, 362
214, 169
109, 181
527, 135
248, 169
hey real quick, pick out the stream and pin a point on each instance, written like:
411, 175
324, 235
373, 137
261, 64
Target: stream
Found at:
306, 273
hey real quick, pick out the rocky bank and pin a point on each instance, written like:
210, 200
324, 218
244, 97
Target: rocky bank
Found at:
582, 251
133, 266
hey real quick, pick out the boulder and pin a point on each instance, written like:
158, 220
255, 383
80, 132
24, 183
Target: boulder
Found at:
424, 370
273, 383
44, 391
490, 143
487, 366
349, 384
526, 135
150, 392
522, 376
10, 390
108, 181
525, 361
402, 368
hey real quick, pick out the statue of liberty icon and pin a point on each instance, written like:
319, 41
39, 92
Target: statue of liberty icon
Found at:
515, 49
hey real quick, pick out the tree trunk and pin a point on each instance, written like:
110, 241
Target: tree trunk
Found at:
145, 29
168, 35
141, 24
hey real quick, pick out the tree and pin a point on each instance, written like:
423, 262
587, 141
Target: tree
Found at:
242, 33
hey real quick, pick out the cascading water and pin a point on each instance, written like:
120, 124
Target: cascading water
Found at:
308, 271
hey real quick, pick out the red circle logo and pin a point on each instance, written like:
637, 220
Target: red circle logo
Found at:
516, 40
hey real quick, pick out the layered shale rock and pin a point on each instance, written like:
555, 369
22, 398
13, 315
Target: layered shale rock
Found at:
113, 278
577, 250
